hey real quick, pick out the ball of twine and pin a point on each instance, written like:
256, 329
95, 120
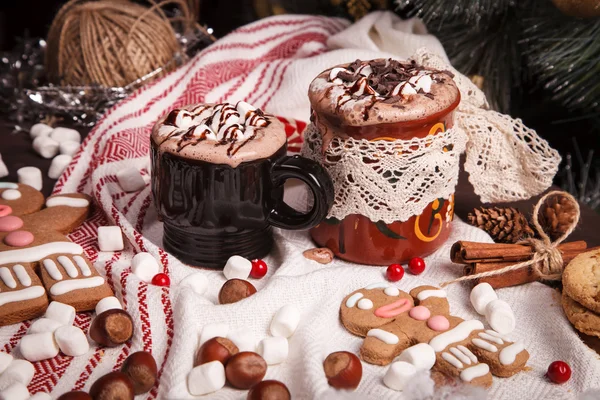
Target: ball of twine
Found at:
109, 42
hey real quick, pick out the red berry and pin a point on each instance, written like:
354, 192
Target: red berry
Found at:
416, 265
559, 372
259, 269
161, 280
394, 272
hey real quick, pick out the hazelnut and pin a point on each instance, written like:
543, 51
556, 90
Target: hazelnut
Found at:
113, 386
215, 349
269, 390
321, 255
343, 370
78, 395
141, 369
112, 327
235, 290
245, 370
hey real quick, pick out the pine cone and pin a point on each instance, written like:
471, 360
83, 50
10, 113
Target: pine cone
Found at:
557, 214
503, 224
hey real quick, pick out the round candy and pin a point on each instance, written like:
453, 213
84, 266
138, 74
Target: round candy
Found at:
259, 269
5, 210
394, 272
161, 280
438, 323
416, 265
11, 194
559, 372
420, 313
10, 223
19, 238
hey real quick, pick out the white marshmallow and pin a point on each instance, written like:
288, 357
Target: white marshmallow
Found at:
481, 296
72, 341
108, 303
421, 355
38, 346
63, 313
68, 147
398, 375
16, 391
40, 130
130, 179
3, 168
500, 316
58, 165
197, 281
273, 349
41, 396
5, 360
206, 378
44, 325
237, 267
285, 321
244, 339
144, 266
61, 134
31, 176
21, 371
213, 330
110, 238
45, 146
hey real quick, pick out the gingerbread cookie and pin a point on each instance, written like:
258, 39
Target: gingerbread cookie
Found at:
583, 320
393, 321
581, 280
33, 240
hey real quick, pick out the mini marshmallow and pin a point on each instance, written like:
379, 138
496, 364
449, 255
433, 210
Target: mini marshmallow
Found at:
40, 130
21, 371
58, 165
63, 313
72, 341
197, 281
41, 396
61, 134
213, 330
481, 296
130, 179
206, 378
244, 339
38, 346
500, 317
68, 147
285, 321
45, 146
44, 325
398, 375
144, 266
3, 168
273, 349
16, 391
31, 176
110, 238
5, 360
108, 303
421, 356
237, 267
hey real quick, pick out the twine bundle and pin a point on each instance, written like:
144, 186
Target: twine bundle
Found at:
111, 42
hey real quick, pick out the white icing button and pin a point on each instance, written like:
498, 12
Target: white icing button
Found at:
11, 194
206, 378
384, 336
365, 304
213, 330
476, 371
273, 349
237, 268
110, 238
481, 296
285, 321
392, 291
352, 300
63, 313
38, 346
398, 375
421, 355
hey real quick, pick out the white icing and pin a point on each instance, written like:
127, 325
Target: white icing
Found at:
452, 360
477, 371
365, 304
85, 269
509, 353
351, 302
36, 253
461, 356
482, 344
67, 201
490, 338
63, 287
384, 336
377, 285
392, 291
8, 185
11, 194
456, 334
425, 294
52, 269
499, 335
29, 293
68, 265
22, 275
467, 352
7, 277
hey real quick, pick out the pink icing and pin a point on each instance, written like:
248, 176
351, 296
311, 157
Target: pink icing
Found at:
10, 223
19, 238
438, 323
420, 313
394, 309
5, 210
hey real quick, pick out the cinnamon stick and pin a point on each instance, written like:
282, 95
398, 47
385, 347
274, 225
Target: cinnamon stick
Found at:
464, 252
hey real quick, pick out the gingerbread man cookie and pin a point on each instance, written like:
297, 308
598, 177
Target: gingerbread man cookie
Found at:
37, 259
392, 321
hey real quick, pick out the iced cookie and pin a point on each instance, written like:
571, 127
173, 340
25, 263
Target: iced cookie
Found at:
33, 240
393, 321
581, 280
583, 320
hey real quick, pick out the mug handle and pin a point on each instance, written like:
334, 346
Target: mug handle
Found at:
319, 182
